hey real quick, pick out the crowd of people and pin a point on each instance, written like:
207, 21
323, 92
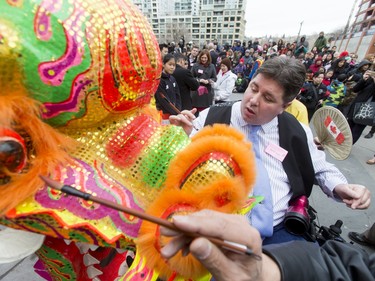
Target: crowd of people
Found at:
332, 78
288, 160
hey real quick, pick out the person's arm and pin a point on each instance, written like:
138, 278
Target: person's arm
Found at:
333, 182
333, 261
190, 81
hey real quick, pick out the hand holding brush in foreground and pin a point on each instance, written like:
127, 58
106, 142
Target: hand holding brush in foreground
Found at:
222, 264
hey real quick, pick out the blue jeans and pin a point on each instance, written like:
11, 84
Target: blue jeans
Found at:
281, 235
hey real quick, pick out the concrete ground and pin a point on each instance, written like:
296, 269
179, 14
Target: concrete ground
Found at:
354, 168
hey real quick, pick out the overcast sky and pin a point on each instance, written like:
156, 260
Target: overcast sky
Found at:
278, 17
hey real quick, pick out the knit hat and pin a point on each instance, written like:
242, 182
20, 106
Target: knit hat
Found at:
242, 60
226, 62
343, 54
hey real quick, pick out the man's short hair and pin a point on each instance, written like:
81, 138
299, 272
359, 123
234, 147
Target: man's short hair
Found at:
162, 46
180, 57
289, 73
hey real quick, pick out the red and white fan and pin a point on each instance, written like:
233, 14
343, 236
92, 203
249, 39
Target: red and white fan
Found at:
333, 132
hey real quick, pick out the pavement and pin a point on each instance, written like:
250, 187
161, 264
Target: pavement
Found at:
354, 168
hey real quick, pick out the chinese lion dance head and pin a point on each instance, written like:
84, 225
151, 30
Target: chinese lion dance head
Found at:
76, 80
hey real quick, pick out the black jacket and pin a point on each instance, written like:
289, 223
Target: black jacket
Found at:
334, 261
186, 83
169, 88
365, 90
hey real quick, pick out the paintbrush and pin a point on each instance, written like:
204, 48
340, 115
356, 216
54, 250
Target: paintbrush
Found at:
174, 107
69, 190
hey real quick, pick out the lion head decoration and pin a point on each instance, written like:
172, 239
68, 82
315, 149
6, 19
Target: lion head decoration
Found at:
76, 82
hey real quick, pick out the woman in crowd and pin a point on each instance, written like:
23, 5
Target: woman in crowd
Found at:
339, 66
366, 92
224, 85
203, 71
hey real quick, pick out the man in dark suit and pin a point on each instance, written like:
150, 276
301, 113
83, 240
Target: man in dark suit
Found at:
185, 81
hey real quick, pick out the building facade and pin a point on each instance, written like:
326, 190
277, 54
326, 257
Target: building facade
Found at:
199, 21
360, 37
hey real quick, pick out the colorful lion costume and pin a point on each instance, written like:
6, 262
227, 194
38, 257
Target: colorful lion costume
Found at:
76, 81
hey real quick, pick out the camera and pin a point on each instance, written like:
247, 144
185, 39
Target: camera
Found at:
297, 218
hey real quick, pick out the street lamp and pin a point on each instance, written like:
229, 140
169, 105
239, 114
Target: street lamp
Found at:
299, 31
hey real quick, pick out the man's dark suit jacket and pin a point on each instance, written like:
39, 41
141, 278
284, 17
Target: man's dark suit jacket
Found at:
186, 83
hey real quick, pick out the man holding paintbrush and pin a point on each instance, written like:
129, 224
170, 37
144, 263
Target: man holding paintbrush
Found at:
292, 261
288, 161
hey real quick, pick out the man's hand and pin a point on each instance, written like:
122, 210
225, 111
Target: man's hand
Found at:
184, 120
354, 196
223, 264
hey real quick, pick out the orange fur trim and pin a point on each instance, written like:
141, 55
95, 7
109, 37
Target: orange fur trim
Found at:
21, 113
224, 195
219, 130
168, 203
239, 151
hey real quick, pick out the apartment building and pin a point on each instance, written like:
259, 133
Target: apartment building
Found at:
199, 21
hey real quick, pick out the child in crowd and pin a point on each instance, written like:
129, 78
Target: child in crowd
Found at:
328, 77
167, 95
240, 67
248, 69
337, 91
241, 83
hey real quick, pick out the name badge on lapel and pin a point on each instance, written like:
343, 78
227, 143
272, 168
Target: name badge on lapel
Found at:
276, 151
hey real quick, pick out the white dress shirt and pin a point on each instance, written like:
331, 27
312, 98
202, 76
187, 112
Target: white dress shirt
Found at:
327, 176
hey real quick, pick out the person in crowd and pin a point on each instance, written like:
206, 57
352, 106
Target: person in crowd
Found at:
327, 62
314, 50
293, 261
315, 67
320, 42
308, 60
339, 66
313, 93
288, 161
366, 238
240, 67
185, 81
247, 57
241, 83
365, 89
298, 110
371, 133
257, 63
247, 71
213, 52
328, 77
337, 91
167, 95
280, 46
163, 49
224, 85
302, 46
203, 71
309, 75
358, 71
193, 56
324, 52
